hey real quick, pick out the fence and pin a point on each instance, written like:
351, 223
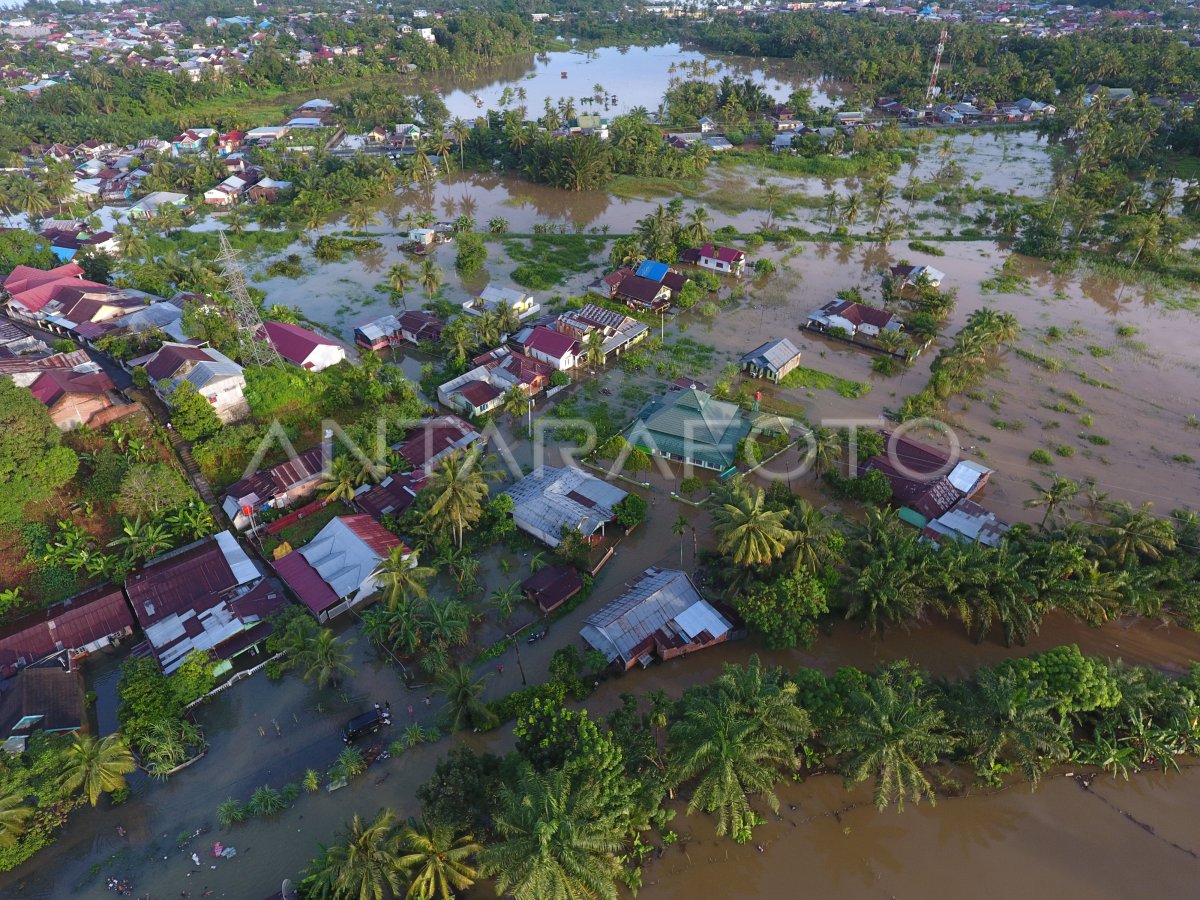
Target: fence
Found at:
293, 517
245, 673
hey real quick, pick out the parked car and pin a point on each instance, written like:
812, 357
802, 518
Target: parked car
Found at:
367, 723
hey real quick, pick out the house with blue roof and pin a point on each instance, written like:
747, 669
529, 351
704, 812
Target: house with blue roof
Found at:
653, 270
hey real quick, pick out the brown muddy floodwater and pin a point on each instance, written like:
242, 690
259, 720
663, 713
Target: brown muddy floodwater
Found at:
634, 76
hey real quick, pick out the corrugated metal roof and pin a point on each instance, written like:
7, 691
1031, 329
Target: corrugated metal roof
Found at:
691, 424
551, 498
774, 355
653, 601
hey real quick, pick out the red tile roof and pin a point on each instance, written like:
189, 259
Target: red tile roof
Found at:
371, 533
52, 385
192, 578
479, 393
391, 496
858, 313
433, 439
552, 343
168, 360
306, 582
294, 343
71, 624
724, 254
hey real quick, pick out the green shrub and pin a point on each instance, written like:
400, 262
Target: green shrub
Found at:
1040, 456
1064, 450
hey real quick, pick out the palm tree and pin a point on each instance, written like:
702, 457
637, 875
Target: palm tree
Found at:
812, 535
851, 209
459, 488
747, 532
736, 739
892, 731
505, 600
446, 622
1054, 496
593, 349
399, 277
340, 481
401, 577
96, 765
365, 865
465, 707
438, 861
1004, 721
557, 842
14, 817
515, 402
697, 228
825, 452
324, 658
1137, 533
461, 131
430, 277
360, 217
680, 527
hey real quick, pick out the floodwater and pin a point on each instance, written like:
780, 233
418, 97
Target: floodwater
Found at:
634, 76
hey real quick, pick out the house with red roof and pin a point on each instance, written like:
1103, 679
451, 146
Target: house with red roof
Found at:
230, 142
553, 347
278, 487
725, 260
853, 318
72, 629
927, 479
335, 571
434, 439
74, 399
482, 389
214, 375
302, 347
207, 597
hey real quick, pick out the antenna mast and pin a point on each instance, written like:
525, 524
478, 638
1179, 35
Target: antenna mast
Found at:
257, 350
932, 90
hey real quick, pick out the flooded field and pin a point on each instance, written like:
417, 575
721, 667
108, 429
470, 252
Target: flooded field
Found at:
634, 76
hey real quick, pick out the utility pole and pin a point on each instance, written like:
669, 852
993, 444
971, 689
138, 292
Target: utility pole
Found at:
256, 346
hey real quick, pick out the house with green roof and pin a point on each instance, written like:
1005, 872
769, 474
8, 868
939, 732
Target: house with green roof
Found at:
691, 427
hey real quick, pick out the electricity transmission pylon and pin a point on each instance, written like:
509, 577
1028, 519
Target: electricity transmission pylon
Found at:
256, 346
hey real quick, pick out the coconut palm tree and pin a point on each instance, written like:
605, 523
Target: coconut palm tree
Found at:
339, 483
697, 228
680, 527
851, 209
736, 739
430, 277
459, 488
446, 622
96, 766
593, 350
401, 577
1054, 497
399, 276
892, 731
324, 658
364, 865
747, 532
505, 600
825, 452
1137, 533
464, 707
556, 840
14, 818
438, 861
515, 403
460, 131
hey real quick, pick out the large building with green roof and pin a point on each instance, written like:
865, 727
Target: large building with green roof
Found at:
691, 427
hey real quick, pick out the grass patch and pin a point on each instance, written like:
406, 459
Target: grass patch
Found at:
1049, 363
1183, 458
1126, 331
806, 378
823, 166
1098, 440
546, 260
1001, 425
1042, 457
1064, 450
649, 187
922, 247
1098, 352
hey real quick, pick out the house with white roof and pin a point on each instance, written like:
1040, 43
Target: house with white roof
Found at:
494, 298
215, 376
335, 571
551, 498
663, 615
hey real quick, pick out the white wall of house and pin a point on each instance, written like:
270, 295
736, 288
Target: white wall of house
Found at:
567, 361
324, 356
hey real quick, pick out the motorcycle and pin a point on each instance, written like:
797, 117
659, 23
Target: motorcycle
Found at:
538, 635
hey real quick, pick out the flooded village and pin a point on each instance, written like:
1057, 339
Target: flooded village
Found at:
444, 449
